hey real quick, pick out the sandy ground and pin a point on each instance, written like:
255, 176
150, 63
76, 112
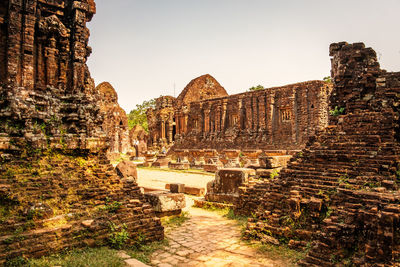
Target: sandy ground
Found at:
157, 179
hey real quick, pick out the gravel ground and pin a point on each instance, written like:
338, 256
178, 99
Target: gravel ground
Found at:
157, 179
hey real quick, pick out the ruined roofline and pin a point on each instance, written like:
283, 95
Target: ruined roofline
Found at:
202, 87
269, 88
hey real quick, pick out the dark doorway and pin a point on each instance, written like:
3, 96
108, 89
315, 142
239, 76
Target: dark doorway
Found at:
173, 131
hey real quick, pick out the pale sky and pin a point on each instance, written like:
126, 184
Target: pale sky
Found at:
144, 47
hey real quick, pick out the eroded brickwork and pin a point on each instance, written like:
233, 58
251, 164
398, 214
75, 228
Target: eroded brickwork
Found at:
340, 194
57, 189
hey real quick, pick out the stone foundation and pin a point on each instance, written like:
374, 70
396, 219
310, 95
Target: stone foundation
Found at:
225, 187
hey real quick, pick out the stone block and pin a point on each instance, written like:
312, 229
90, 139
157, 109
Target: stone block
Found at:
161, 162
126, 169
196, 191
271, 162
179, 165
225, 187
177, 188
210, 167
191, 190
165, 202
135, 263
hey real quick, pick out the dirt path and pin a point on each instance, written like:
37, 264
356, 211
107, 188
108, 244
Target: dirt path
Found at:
208, 239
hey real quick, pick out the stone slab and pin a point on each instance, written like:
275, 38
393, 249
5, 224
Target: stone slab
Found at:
191, 190
179, 165
135, 263
271, 162
163, 201
177, 188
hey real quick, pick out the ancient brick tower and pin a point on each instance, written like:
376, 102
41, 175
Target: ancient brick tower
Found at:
340, 196
57, 189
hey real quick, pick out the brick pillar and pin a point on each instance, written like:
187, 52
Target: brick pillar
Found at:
206, 120
28, 37
261, 112
14, 43
223, 115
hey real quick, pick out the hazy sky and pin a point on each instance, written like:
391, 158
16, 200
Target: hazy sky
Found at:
144, 47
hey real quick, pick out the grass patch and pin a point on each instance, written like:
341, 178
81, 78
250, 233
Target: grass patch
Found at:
144, 252
281, 253
241, 220
88, 257
102, 256
176, 220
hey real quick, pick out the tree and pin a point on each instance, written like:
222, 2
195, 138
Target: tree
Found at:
138, 115
256, 88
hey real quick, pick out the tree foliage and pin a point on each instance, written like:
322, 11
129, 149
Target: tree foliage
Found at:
138, 115
256, 88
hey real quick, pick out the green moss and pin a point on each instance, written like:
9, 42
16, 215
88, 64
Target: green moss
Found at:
144, 252
289, 257
337, 111
274, 174
119, 236
101, 257
111, 207
176, 220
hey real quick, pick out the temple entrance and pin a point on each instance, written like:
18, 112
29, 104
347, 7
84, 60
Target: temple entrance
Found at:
173, 131
165, 134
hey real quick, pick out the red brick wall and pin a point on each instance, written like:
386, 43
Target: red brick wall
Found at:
274, 118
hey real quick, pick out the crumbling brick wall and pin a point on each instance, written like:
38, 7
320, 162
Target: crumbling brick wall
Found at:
340, 194
57, 189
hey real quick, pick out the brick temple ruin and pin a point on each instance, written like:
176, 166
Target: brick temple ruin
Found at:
206, 128
340, 195
203, 116
57, 189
